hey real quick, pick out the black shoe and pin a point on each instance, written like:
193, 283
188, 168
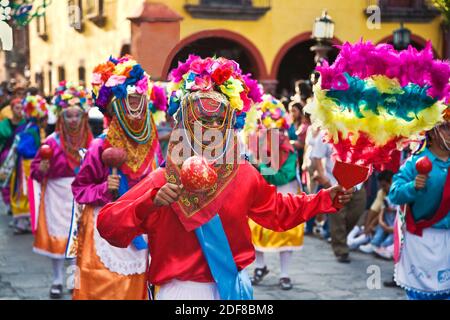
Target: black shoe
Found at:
259, 274
285, 284
56, 291
343, 258
390, 284
19, 231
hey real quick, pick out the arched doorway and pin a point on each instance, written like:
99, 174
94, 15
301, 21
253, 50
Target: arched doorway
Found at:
218, 47
220, 43
416, 41
295, 61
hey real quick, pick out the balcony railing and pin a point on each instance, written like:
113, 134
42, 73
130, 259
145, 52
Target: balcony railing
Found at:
404, 10
228, 9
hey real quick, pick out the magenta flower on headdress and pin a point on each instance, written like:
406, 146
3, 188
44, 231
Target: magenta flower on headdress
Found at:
202, 66
142, 86
255, 92
202, 83
247, 102
176, 75
159, 98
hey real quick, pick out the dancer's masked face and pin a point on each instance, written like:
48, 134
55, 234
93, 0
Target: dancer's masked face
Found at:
17, 110
210, 112
441, 135
137, 102
72, 118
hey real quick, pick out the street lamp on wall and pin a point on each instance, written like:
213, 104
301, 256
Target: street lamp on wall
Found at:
323, 28
323, 33
402, 37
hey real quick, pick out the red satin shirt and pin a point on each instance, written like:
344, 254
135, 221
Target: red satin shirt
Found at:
176, 253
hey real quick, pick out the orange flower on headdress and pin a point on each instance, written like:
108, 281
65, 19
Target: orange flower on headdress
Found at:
447, 114
105, 69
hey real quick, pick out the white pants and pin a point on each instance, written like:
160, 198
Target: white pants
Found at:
188, 290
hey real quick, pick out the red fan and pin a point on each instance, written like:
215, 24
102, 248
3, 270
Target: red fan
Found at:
46, 152
114, 158
197, 175
348, 175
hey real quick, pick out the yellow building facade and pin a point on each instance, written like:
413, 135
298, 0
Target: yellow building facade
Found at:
272, 37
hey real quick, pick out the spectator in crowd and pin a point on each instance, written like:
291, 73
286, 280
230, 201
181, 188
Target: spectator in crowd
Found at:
382, 214
340, 224
363, 232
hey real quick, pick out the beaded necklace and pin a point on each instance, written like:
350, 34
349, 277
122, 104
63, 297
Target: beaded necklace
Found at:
140, 135
187, 127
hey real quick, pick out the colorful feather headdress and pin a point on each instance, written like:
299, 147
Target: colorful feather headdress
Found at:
35, 106
273, 115
374, 99
219, 74
68, 95
118, 78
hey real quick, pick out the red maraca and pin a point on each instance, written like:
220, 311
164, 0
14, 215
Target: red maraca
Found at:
46, 152
424, 166
197, 175
114, 158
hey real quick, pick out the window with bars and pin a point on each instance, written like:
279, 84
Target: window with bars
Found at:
82, 75
400, 3
95, 11
227, 2
41, 27
50, 78
75, 14
39, 80
228, 9
61, 73
404, 10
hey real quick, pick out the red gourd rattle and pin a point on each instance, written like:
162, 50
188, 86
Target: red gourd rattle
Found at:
424, 166
197, 175
114, 158
46, 152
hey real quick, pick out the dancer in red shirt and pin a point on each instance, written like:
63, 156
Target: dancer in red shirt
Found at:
200, 242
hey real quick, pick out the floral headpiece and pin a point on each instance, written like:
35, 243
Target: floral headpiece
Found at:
273, 114
68, 95
118, 78
35, 107
219, 74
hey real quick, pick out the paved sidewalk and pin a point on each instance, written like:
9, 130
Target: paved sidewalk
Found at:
315, 272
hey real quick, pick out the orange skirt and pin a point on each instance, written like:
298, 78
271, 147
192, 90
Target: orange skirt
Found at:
94, 281
45, 243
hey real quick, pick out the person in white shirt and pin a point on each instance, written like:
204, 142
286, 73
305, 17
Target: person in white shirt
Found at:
340, 224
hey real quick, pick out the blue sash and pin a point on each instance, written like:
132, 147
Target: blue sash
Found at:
232, 284
138, 242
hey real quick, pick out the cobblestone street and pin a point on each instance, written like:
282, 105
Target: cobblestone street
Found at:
315, 273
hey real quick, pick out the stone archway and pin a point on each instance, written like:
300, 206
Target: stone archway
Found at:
295, 61
220, 43
416, 41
